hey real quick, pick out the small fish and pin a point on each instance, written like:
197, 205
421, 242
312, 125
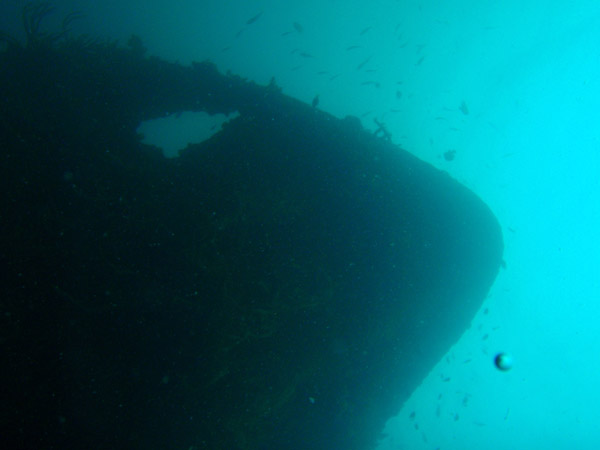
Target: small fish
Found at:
416, 426
421, 59
365, 31
456, 417
450, 155
438, 411
463, 108
299, 28
467, 361
365, 62
315, 101
398, 95
370, 83
352, 47
251, 20
412, 415
333, 77
485, 336
465, 400
445, 380
306, 55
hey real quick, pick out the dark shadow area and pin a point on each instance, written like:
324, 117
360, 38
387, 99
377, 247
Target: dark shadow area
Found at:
284, 285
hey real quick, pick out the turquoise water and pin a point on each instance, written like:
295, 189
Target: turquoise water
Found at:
513, 89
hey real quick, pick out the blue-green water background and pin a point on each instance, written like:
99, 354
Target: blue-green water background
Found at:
527, 141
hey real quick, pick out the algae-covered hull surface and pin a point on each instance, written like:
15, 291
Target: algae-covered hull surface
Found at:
285, 284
